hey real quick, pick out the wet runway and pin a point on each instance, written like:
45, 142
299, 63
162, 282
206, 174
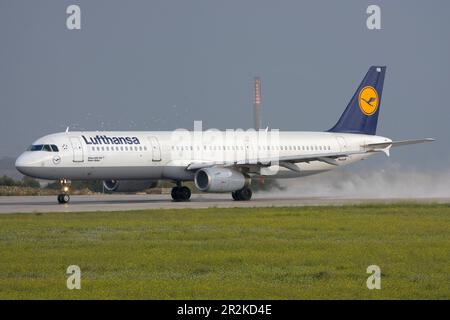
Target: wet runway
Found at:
30, 204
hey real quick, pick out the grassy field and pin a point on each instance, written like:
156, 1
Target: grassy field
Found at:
261, 253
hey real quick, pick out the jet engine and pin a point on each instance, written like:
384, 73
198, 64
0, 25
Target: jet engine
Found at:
220, 180
129, 185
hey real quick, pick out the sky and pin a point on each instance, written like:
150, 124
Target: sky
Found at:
160, 65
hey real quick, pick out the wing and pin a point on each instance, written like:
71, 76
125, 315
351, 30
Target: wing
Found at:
285, 161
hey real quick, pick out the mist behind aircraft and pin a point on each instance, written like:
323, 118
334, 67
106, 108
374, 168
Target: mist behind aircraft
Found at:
391, 181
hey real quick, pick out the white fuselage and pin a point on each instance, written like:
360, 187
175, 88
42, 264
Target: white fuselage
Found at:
163, 155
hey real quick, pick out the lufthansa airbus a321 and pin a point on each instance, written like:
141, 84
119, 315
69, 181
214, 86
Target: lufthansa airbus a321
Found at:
219, 161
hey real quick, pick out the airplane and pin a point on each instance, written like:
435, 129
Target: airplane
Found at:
133, 161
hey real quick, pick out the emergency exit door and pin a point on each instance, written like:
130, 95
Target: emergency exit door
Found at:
155, 148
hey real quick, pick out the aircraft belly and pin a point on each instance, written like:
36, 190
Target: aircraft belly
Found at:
177, 173
91, 173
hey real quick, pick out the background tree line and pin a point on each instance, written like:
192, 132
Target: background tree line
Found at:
92, 185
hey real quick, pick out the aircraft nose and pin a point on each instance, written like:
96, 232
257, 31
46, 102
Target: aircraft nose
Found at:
22, 163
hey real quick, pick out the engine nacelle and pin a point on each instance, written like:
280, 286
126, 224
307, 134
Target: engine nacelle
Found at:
220, 180
129, 185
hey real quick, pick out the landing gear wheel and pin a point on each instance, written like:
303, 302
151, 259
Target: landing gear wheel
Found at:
174, 193
244, 194
185, 193
63, 198
181, 193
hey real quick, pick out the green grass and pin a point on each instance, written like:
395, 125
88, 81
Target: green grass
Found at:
260, 253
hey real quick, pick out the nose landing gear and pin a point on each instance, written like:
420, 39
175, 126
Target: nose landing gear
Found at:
64, 197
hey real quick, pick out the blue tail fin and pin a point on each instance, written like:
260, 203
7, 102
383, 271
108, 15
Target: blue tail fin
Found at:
361, 114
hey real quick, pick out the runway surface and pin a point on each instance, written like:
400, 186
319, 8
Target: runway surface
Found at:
36, 204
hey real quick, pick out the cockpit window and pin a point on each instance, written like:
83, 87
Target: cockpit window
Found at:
47, 148
43, 147
37, 147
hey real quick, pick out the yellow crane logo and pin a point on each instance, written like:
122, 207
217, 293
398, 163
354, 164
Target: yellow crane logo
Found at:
368, 100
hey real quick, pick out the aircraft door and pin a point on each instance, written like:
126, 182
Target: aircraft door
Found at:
247, 150
155, 148
342, 143
77, 149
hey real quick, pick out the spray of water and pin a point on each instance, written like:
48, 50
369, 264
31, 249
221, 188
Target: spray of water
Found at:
393, 181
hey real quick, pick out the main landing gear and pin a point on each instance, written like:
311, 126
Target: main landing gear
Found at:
181, 193
64, 197
243, 194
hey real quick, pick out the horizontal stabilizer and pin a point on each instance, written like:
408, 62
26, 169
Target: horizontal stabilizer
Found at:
398, 143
